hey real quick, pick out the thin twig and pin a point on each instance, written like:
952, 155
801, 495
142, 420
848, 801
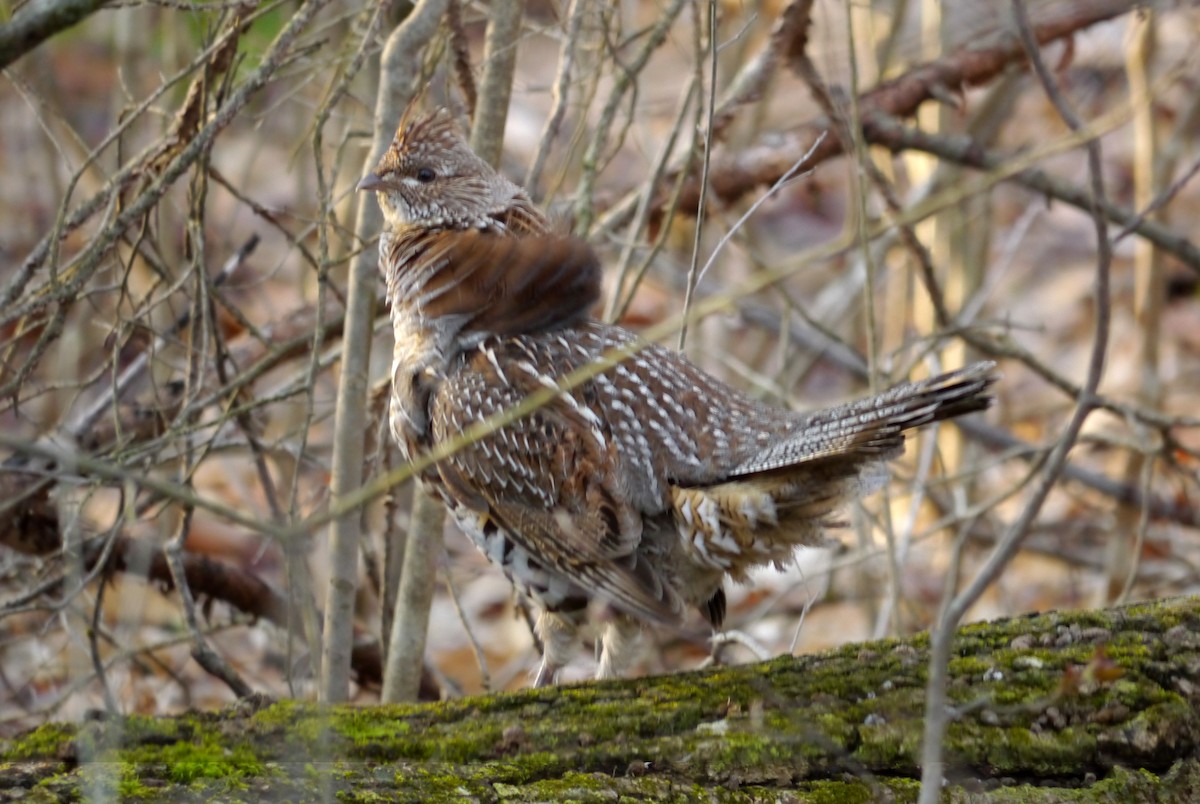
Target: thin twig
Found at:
624, 290
576, 12
395, 88
933, 771
626, 78
706, 159
86, 418
485, 678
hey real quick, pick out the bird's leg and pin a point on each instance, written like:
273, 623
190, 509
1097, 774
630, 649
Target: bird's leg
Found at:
559, 632
622, 641
545, 674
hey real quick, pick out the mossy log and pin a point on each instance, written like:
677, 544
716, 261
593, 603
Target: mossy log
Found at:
1072, 706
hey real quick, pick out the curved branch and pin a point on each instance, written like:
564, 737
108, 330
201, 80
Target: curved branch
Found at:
36, 22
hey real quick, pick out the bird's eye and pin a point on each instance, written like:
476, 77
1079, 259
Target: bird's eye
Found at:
425, 175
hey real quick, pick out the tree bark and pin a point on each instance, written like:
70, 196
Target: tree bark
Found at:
1083, 705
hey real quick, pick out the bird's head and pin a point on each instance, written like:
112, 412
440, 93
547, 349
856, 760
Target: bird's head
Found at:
430, 178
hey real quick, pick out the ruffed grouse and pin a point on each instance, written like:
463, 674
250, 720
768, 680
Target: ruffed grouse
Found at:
643, 487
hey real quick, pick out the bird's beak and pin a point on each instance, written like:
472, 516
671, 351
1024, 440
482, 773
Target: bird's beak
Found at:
371, 181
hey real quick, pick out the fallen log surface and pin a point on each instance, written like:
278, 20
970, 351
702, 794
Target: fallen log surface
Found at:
1089, 705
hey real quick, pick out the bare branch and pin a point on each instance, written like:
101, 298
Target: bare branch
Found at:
37, 21
499, 61
734, 175
350, 426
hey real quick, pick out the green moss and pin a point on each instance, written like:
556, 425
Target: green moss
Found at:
734, 753
589, 787
857, 792
372, 729
1120, 786
57, 788
309, 727
45, 742
1019, 751
281, 713
973, 667
365, 797
841, 726
425, 746
1124, 781
438, 786
130, 786
187, 762
889, 745
185, 752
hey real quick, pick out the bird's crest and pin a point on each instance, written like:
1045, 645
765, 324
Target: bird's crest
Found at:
421, 137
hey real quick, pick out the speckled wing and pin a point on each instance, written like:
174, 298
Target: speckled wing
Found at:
545, 480
873, 429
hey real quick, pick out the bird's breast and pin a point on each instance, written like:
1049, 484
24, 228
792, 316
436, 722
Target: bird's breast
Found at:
418, 367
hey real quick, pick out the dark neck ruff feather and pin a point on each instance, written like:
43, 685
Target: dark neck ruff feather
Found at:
493, 283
